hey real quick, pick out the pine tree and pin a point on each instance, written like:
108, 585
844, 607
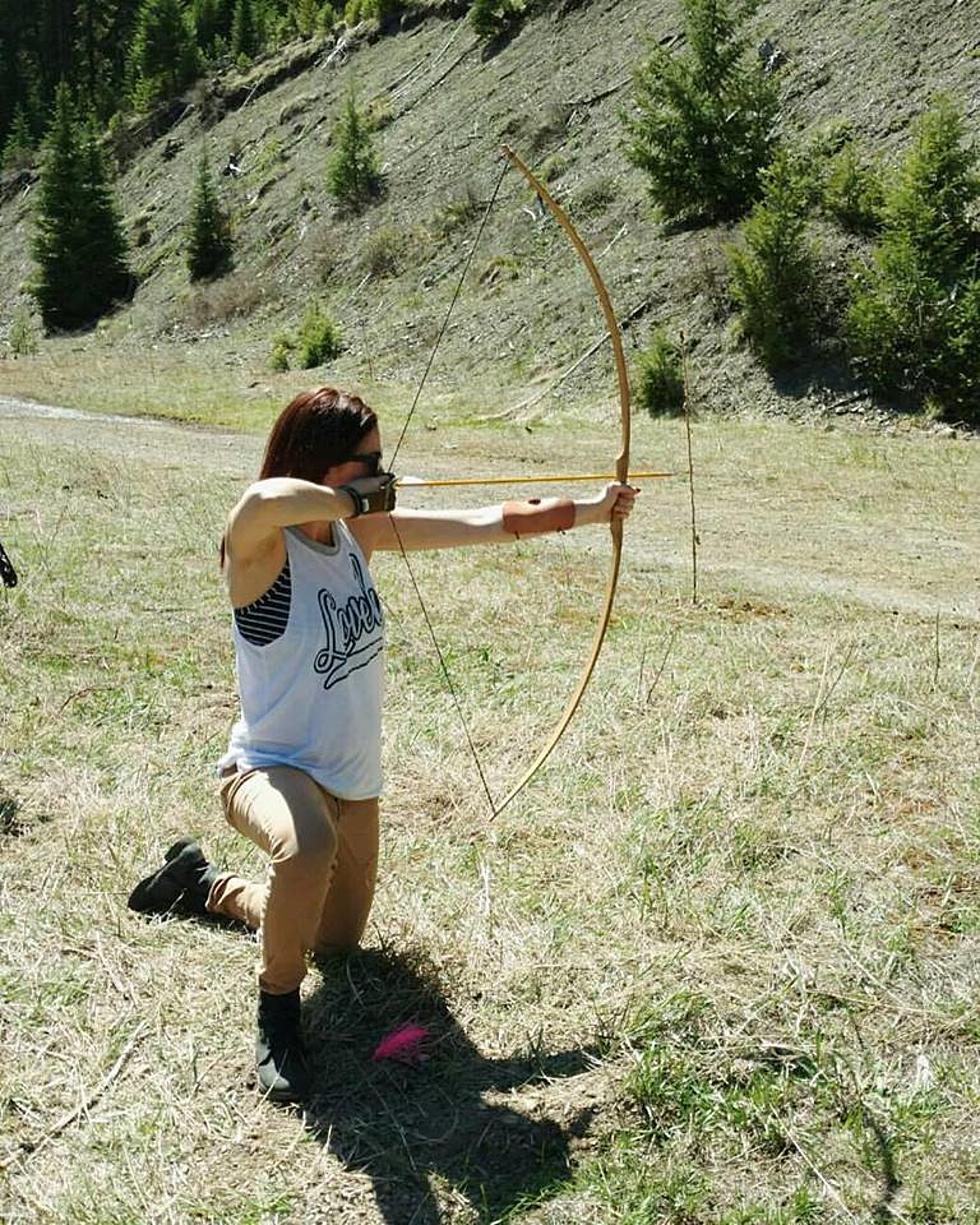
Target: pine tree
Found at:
244, 34
163, 57
103, 241
306, 16
78, 242
205, 15
95, 72
53, 41
702, 126
18, 150
209, 246
913, 324
353, 176
20, 89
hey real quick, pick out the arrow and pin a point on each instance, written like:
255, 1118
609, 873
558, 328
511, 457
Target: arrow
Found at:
418, 482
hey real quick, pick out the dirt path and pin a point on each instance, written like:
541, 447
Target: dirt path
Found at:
857, 539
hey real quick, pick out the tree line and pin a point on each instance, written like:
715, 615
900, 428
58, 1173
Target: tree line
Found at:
128, 54
119, 55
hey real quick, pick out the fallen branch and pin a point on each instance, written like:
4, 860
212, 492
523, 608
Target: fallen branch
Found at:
575, 103
439, 79
399, 86
569, 370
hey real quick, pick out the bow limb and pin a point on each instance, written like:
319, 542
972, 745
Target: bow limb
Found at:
622, 473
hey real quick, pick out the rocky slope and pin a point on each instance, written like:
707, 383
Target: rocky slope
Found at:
444, 106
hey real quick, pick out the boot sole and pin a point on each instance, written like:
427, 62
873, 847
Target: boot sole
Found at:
282, 1097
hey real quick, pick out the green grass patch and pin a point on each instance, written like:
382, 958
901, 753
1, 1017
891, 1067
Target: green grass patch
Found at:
717, 964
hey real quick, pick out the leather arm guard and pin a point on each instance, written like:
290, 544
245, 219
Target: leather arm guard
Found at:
381, 499
538, 515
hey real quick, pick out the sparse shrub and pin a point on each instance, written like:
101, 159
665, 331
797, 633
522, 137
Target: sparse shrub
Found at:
318, 340
209, 101
121, 140
914, 321
553, 167
773, 276
596, 196
384, 250
852, 192
493, 19
500, 268
23, 335
353, 175
660, 375
209, 244
460, 209
551, 126
282, 346
296, 106
706, 275
268, 158
831, 138
231, 297
702, 125
326, 249
141, 232
379, 113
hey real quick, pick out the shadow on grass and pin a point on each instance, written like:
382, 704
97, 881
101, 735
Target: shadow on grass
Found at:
403, 1125
12, 823
823, 373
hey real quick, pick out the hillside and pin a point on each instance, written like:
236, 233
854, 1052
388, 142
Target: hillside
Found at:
527, 310
719, 963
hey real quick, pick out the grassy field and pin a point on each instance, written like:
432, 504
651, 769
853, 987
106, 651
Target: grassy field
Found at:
718, 964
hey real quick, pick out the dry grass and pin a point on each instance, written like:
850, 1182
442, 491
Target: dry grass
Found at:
717, 964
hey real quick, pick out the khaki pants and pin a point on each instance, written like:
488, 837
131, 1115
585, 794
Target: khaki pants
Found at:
320, 884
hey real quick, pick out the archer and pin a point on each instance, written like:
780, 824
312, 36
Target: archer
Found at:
302, 774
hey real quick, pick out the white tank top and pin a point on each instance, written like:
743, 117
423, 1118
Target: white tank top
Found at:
312, 697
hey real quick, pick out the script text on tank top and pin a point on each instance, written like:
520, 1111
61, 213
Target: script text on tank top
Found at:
353, 630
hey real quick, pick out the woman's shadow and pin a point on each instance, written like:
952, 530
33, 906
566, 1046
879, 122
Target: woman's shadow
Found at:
401, 1125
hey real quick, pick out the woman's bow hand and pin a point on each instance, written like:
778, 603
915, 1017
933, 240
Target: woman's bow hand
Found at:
615, 502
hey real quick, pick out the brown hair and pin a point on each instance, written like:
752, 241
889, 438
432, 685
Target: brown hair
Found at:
315, 431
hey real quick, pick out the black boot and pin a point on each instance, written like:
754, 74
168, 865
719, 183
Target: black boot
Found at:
181, 886
280, 1057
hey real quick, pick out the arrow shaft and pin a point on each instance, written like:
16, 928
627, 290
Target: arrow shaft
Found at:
411, 483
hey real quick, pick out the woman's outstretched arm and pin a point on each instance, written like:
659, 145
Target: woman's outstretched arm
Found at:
498, 524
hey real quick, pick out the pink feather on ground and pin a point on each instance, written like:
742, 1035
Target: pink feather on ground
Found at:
403, 1044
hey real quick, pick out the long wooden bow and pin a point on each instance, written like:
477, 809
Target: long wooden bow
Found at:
622, 472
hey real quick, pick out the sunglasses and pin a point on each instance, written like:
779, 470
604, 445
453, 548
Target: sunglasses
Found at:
370, 459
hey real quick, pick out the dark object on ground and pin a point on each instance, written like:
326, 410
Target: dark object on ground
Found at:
7, 571
180, 886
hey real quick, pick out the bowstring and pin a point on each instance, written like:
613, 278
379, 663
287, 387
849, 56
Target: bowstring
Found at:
445, 669
391, 518
445, 322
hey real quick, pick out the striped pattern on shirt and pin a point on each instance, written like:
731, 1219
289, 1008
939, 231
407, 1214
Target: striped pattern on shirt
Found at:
264, 620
